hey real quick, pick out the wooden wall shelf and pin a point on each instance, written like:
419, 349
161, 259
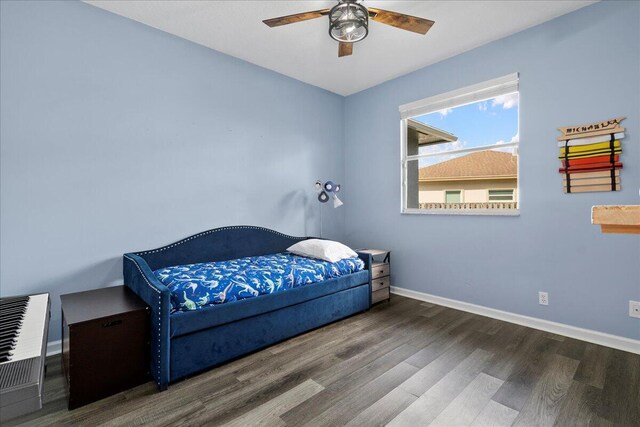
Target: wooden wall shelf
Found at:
617, 218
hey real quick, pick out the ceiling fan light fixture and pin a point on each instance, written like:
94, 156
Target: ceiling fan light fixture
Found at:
348, 22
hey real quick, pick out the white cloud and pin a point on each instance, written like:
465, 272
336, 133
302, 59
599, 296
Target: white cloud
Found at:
507, 101
457, 145
514, 138
443, 148
483, 106
445, 112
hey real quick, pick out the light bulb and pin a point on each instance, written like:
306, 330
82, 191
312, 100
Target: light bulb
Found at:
349, 29
337, 202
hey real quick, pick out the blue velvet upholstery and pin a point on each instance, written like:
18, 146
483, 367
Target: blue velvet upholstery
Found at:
195, 352
139, 277
185, 343
186, 322
220, 244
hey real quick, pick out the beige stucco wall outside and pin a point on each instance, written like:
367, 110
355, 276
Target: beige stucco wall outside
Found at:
473, 191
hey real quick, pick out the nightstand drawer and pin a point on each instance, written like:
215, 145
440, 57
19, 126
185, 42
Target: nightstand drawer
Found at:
380, 295
380, 283
379, 269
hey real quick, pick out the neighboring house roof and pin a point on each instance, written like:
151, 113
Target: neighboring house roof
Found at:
479, 165
429, 134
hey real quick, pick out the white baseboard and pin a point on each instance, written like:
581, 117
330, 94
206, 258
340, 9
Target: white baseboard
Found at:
54, 347
601, 338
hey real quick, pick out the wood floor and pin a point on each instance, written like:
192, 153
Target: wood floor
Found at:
405, 363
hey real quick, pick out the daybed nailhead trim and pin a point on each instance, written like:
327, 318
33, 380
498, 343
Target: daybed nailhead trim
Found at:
159, 311
215, 230
204, 233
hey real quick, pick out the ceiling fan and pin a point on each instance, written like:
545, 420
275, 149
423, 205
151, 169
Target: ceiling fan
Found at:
349, 22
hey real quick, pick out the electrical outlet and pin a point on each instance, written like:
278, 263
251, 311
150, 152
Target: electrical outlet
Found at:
543, 298
634, 309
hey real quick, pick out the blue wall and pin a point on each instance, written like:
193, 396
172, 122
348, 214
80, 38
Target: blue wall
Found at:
578, 68
118, 137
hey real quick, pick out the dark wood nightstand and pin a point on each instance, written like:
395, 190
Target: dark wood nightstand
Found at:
105, 343
380, 274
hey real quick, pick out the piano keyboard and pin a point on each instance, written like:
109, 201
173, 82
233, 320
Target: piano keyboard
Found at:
22, 321
24, 328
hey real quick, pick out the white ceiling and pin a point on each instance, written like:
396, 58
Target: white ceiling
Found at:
305, 51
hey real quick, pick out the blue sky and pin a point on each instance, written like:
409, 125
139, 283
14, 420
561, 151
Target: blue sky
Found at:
490, 122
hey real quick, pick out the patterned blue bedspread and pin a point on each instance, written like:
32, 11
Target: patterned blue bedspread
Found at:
194, 286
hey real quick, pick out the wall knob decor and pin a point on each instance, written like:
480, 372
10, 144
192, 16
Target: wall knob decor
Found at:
327, 188
324, 190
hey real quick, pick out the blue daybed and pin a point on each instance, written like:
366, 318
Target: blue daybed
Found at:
187, 342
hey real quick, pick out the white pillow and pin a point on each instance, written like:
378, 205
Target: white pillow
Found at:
326, 250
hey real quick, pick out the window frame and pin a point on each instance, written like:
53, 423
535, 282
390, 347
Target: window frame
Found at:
513, 195
456, 98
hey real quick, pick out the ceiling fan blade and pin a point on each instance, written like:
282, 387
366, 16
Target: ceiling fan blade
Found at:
297, 17
345, 49
400, 20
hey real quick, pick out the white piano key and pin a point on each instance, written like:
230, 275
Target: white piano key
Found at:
31, 334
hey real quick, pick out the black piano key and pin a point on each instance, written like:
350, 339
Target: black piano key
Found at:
13, 304
12, 313
10, 317
8, 339
7, 343
9, 333
13, 299
7, 349
12, 307
11, 324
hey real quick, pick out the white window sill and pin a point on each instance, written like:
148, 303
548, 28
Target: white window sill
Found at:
485, 212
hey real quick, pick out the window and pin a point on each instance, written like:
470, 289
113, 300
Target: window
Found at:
460, 151
452, 196
501, 195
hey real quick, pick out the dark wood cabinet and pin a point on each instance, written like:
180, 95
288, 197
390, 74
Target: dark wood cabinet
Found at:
105, 349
